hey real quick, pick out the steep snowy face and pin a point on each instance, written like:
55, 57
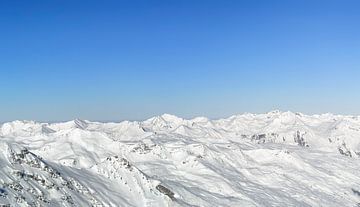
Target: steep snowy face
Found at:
273, 159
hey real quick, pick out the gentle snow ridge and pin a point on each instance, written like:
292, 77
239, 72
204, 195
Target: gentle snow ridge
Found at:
273, 159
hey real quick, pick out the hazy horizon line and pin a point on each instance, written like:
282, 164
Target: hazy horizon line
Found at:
185, 117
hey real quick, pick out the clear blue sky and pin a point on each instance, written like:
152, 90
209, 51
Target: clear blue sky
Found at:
114, 60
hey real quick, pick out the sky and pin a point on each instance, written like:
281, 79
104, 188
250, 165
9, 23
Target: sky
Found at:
117, 60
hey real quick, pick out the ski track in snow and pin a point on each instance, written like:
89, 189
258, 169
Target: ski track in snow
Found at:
273, 159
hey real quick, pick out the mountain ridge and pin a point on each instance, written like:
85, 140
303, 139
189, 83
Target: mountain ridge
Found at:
272, 159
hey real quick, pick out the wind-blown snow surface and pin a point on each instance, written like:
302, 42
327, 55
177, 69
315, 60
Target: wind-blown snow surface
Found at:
273, 159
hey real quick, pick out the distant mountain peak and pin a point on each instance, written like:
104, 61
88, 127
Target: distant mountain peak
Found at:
81, 124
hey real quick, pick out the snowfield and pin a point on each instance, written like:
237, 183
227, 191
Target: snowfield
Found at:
273, 159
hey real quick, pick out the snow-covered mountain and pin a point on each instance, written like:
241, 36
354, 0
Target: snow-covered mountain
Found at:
273, 159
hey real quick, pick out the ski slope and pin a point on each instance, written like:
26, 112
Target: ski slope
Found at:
273, 159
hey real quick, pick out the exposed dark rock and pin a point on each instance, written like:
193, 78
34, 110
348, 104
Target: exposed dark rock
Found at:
300, 140
3, 193
165, 191
356, 192
141, 148
344, 150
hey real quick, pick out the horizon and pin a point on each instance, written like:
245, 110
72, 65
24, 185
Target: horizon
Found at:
185, 118
132, 60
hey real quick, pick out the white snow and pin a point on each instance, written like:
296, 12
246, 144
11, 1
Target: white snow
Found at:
273, 159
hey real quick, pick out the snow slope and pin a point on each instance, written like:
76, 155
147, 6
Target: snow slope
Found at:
273, 159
